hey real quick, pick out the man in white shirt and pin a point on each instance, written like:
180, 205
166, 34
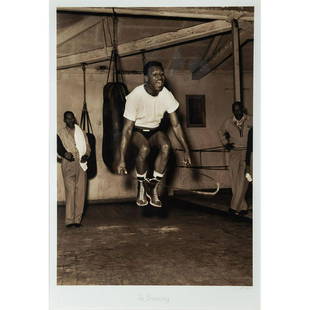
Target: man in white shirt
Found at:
73, 147
144, 110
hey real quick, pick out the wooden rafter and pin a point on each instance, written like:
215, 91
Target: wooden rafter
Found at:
147, 44
210, 51
212, 48
184, 12
220, 56
77, 28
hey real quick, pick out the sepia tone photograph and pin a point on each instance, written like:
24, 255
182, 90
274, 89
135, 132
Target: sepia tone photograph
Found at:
155, 146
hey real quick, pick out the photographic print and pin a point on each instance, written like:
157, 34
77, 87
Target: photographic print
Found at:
154, 147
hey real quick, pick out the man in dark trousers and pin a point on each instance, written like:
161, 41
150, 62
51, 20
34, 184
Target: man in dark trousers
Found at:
145, 108
73, 147
234, 136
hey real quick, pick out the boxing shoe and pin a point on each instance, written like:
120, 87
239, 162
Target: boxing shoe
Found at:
152, 192
141, 196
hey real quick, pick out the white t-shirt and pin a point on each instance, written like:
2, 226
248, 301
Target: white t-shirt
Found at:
146, 110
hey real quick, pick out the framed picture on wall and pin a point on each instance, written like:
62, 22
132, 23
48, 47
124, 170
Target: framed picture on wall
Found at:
195, 111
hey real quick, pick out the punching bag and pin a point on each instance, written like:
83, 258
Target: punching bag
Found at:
91, 161
85, 124
114, 94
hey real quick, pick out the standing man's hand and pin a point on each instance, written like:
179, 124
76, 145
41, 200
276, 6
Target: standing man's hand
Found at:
69, 156
84, 158
187, 159
121, 168
248, 174
247, 169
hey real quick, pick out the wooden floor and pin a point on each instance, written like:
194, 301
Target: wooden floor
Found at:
122, 244
219, 203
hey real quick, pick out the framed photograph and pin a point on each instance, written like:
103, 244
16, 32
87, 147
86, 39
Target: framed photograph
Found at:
151, 157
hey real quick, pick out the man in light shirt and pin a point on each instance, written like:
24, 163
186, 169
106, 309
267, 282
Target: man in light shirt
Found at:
144, 110
234, 136
73, 147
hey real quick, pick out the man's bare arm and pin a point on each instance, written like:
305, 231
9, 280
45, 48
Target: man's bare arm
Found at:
126, 136
178, 131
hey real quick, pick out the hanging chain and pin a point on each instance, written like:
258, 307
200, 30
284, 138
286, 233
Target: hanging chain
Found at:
115, 73
114, 28
114, 63
112, 53
84, 85
105, 37
85, 119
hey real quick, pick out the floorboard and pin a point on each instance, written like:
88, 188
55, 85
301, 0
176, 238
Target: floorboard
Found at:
122, 244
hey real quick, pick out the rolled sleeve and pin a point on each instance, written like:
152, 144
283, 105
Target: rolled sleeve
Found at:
172, 103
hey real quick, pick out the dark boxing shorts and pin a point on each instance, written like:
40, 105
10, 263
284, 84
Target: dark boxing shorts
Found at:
146, 132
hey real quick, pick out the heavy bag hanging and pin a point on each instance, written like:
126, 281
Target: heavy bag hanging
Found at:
86, 126
114, 94
114, 98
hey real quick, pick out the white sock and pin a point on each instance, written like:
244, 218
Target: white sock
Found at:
141, 176
158, 175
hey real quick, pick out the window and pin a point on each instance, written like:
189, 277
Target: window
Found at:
195, 111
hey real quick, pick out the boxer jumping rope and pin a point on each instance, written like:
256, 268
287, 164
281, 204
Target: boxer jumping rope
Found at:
144, 110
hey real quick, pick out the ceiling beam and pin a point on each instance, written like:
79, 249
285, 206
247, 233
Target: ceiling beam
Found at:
146, 44
77, 28
183, 12
220, 56
210, 51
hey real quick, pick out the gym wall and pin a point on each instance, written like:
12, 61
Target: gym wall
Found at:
218, 90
